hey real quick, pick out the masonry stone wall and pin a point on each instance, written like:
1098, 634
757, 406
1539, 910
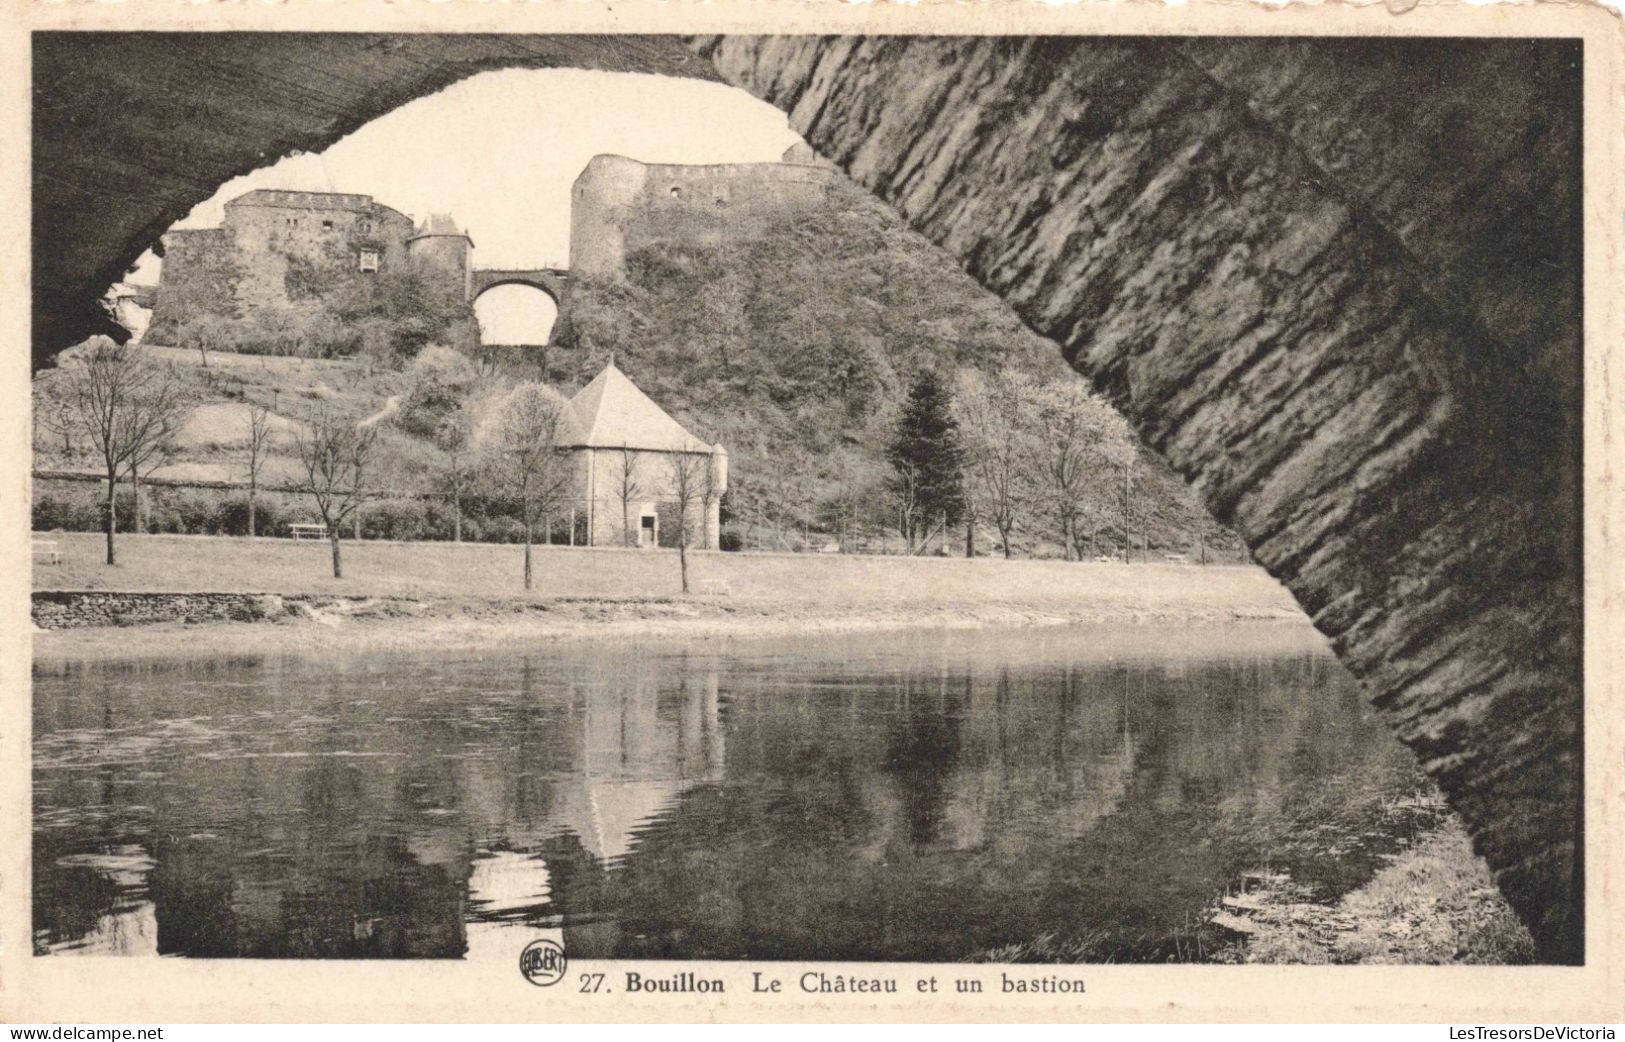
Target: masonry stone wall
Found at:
619, 205
275, 249
72, 609
200, 276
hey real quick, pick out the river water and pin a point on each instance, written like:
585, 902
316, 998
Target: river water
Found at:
1067, 793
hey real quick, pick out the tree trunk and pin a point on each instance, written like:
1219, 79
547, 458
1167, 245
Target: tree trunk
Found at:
140, 512
456, 516
1004, 539
338, 562
626, 524
111, 518
682, 558
970, 537
528, 527
1127, 545
253, 527
358, 524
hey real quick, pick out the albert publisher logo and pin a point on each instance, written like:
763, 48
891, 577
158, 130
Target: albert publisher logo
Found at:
542, 962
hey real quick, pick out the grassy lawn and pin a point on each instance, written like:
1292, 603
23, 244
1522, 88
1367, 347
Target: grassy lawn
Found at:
223, 564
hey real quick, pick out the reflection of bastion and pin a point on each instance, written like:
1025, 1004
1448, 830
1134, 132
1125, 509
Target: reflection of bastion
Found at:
619, 205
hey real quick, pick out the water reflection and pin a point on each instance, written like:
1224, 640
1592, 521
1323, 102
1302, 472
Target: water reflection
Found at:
924, 797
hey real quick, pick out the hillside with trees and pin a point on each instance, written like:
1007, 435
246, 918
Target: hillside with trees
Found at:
870, 395
797, 350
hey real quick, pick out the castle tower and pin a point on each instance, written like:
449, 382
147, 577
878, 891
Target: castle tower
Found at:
438, 245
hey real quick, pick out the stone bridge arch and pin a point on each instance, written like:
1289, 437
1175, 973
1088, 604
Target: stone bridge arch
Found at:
554, 282
1365, 354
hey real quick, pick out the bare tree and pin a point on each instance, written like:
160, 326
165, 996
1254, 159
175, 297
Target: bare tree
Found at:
453, 433
1074, 431
53, 409
457, 478
126, 404
337, 455
259, 445
997, 449
627, 487
1121, 453
205, 332
144, 459
690, 478
528, 429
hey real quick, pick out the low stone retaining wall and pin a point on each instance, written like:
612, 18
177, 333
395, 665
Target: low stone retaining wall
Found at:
69, 609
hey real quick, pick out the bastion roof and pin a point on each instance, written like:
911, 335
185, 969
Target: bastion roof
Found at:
612, 413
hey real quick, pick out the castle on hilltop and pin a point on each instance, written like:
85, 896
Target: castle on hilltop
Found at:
277, 247
618, 204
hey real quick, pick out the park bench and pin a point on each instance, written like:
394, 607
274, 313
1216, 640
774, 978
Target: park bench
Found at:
308, 531
46, 548
712, 586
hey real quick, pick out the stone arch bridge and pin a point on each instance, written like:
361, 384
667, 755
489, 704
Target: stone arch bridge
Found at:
555, 282
1353, 326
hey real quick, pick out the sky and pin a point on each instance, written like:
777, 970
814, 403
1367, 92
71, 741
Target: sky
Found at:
500, 150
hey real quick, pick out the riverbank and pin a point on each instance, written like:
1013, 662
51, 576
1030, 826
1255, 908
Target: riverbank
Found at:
1433, 904
466, 597
324, 625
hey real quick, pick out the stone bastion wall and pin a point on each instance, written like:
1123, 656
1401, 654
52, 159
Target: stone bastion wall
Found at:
618, 205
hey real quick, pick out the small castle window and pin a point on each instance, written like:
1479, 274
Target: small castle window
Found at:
369, 260
676, 192
364, 225
327, 226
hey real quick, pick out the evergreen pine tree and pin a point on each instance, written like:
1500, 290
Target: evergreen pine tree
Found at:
927, 461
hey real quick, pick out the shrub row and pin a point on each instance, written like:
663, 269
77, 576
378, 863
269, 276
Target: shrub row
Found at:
169, 511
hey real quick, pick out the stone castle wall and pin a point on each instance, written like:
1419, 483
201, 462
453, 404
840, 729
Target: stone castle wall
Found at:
272, 255
200, 274
72, 609
619, 205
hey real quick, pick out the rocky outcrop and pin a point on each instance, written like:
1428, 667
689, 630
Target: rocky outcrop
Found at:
1350, 321
1352, 324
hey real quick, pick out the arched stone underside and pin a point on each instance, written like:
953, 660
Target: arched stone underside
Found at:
1356, 330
